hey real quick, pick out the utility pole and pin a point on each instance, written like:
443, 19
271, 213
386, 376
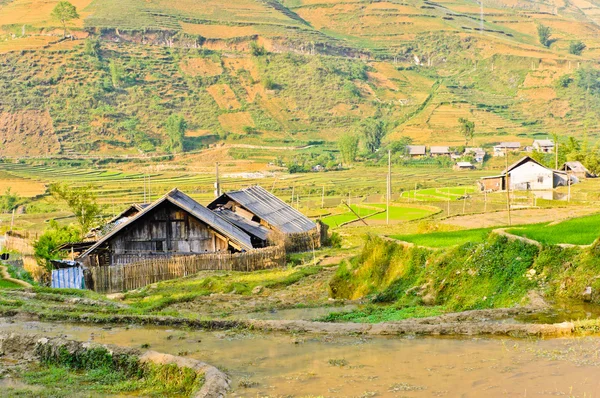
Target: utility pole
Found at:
217, 182
12, 222
389, 188
507, 186
323, 198
292, 201
556, 153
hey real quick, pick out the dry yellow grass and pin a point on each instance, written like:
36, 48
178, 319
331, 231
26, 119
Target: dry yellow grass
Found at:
200, 67
24, 43
224, 96
198, 133
22, 186
218, 31
37, 13
235, 122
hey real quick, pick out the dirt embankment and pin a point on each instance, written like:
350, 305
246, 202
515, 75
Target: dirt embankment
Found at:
470, 323
27, 133
32, 347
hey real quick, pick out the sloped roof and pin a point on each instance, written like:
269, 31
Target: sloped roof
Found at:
508, 145
136, 207
522, 161
574, 166
475, 150
251, 227
464, 164
439, 149
270, 208
544, 143
416, 149
181, 200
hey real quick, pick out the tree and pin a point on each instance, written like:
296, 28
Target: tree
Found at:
81, 201
400, 146
45, 248
348, 146
467, 129
9, 200
175, 127
64, 12
116, 73
544, 33
576, 47
373, 130
92, 48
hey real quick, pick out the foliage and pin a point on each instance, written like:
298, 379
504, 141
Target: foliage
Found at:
373, 130
45, 248
116, 73
92, 47
348, 146
400, 146
9, 201
544, 33
446, 239
175, 127
64, 12
20, 273
256, 49
467, 129
81, 201
576, 47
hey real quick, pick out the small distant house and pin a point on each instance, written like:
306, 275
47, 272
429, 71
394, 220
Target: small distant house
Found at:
576, 169
265, 217
545, 146
503, 147
436, 151
416, 151
464, 166
477, 153
175, 224
525, 174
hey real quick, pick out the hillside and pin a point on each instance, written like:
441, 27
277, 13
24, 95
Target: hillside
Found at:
327, 65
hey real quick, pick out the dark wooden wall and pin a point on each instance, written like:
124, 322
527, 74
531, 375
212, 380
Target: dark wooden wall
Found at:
164, 231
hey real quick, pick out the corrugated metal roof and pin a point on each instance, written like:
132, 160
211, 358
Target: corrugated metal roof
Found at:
523, 160
270, 208
251, 227
194, 208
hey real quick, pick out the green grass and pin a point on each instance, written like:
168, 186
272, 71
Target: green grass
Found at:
4, 284
576, 231
373, 212
446, 239
376, 314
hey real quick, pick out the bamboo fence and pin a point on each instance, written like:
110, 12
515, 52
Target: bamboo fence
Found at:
120, 278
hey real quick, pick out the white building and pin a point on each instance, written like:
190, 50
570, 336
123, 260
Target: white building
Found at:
503, 147
524, 175
477, 153
546, 146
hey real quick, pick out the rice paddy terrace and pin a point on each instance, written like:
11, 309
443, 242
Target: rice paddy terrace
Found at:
420, 65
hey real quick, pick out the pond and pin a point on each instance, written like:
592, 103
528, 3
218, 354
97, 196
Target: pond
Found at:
301, 365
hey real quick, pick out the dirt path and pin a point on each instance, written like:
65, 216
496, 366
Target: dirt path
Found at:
6, 276
519, 217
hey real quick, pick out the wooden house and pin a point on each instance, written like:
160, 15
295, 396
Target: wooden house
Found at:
267, 219
524, 175
173, 225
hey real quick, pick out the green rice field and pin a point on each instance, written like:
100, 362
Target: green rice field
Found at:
576, 231
446, 239
376, 212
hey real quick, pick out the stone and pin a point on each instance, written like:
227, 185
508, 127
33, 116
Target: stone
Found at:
257, 290
587, 294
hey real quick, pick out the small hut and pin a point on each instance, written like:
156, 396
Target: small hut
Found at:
576, 169
267, 218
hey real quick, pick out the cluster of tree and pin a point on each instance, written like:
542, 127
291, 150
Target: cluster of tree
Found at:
311, 162
371, 132
82, 202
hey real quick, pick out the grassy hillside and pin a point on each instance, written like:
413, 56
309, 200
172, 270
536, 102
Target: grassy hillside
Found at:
419, 65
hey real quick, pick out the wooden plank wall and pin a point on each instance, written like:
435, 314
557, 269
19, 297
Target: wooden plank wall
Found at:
120, 278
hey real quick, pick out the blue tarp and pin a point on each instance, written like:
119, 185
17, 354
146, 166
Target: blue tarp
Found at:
68, 278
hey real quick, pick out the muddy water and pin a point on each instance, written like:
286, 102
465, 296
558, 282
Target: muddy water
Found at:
307, 314
332, 366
